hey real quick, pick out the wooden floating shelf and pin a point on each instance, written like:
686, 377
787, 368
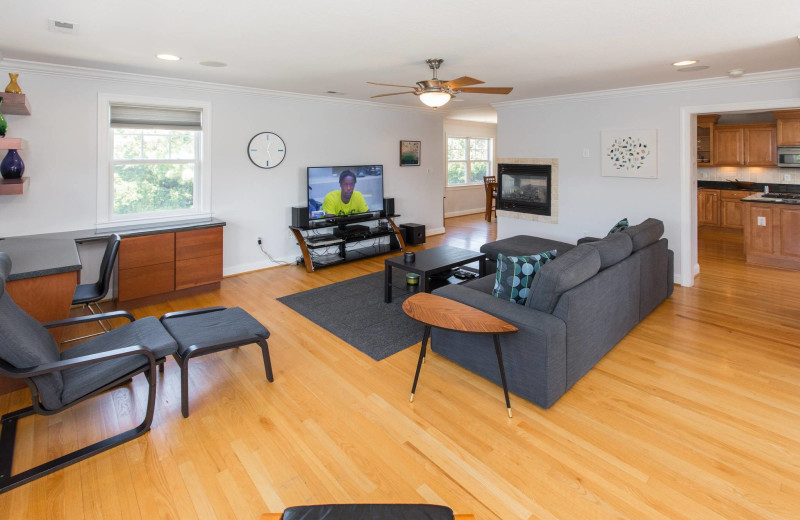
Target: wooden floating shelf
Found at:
13, 186
14, 104
12, 143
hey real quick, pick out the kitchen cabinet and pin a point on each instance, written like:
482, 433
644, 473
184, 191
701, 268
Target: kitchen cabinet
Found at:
731, 208
705, 139
745, 145
707, 207
788, 127
771, 234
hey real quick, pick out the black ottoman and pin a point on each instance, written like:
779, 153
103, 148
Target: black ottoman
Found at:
203, 331
520, 245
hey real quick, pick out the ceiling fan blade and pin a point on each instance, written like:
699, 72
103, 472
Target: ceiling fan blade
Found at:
392, 94
486, 90
463, 81
389, 85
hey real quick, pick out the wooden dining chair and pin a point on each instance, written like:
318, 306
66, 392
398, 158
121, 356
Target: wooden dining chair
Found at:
490, 185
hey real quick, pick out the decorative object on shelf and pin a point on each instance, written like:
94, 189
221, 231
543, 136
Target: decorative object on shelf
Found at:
12, 166
412, 279
630, 153
409, 256
3, 124
13, 86
409, 153
266, 150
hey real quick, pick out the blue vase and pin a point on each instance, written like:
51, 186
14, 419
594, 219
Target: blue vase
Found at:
12, 166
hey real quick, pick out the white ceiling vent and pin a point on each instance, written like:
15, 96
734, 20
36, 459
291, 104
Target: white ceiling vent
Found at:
62, 26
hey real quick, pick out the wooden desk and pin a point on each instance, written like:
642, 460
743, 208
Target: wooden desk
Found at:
44, 275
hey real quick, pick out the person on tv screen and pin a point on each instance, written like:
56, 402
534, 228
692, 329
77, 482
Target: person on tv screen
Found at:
345, 201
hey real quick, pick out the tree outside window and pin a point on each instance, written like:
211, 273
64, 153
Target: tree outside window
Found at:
469, 160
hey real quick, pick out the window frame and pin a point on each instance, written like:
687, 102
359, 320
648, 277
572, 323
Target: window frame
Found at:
105, 163
468, 161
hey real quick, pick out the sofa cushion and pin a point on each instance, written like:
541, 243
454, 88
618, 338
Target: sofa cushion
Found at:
646, 233
572, 268
515, 275
614, 248
619, 226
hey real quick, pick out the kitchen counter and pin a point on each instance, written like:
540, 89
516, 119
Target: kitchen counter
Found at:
34, 257
759, 186
759, 197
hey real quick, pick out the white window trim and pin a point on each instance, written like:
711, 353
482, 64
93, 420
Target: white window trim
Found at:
447, 162
104, 155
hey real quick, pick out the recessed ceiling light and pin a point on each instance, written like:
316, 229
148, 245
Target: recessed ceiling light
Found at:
213, 64
735, 73
693, 69
684, 63
168, 57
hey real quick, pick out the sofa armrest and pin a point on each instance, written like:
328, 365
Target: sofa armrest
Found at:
521, 316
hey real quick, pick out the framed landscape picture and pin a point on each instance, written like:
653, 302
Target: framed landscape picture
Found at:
409, 153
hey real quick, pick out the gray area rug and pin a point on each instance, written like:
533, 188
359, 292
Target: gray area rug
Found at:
354, 311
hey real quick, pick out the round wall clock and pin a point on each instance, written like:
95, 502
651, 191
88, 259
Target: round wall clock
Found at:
266, 150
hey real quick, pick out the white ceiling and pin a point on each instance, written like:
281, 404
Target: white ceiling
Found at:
541, 48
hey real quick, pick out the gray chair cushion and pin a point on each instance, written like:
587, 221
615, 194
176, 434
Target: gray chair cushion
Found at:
82, 380
646, 233
24, 343
572, 268
613, 249
215, 328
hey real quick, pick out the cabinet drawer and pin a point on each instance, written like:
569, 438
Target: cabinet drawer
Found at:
198, 271
138, 282
146, 250
198, 243
735, 194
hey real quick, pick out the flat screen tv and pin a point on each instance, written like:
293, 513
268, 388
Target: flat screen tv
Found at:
342, 193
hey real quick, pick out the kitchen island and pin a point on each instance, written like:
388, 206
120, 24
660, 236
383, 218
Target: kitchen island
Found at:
772, 229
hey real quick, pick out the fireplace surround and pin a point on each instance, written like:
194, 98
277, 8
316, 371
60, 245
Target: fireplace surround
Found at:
527, 189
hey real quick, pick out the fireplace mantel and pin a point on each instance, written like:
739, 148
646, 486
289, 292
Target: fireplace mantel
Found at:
553, 217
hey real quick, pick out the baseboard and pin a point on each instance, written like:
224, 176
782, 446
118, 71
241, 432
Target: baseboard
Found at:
465, 212
257, 266
435, 231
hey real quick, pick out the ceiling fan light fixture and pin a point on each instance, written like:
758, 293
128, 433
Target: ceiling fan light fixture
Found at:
684, 63
435, 99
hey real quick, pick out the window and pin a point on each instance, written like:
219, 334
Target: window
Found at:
469, 160
153, 166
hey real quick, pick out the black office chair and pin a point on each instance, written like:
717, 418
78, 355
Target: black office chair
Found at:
91, 293
59, 380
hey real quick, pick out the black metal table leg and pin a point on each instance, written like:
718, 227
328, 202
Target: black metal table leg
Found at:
502, 370
387, 280
425, 337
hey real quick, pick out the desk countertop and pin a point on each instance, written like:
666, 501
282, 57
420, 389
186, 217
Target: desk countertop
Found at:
31, 257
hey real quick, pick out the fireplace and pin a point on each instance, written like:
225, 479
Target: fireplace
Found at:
524, 188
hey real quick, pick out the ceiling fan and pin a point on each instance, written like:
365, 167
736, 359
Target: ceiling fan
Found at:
435, 92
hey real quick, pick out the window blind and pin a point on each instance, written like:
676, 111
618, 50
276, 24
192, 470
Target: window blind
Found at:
129, 116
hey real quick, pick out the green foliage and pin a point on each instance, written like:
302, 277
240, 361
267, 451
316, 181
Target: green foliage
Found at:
477, 170
456, 148
456, 173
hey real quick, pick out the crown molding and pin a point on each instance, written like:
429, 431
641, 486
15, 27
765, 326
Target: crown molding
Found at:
84, 73
660, 88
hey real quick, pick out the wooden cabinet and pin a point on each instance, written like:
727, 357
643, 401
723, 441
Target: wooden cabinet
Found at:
166, 262
708, 207
705, 139
731, 208
788, 127
772, 235
745, 145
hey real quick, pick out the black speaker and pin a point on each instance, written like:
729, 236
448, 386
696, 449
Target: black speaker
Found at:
388, 207
300, 217
413, 234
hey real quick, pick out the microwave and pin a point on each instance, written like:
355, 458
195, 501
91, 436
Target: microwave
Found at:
789, 156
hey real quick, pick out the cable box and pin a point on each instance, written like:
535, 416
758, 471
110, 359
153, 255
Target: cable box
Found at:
351, 230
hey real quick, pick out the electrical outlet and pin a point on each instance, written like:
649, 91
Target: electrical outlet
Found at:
586, 152
761, 221
259, 240
704, 175
787, 177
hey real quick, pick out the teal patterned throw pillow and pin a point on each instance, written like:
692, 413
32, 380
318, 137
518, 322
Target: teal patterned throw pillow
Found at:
622, 224
515, 275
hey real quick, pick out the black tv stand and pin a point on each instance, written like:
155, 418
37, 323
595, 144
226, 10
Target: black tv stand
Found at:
347, 240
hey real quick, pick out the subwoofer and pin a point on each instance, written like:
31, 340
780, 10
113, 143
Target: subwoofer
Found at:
300, 217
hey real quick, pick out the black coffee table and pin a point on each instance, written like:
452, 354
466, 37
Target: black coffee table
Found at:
430, 262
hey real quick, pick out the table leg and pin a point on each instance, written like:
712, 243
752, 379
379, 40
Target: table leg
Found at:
387, 278
425, 337
482, 267
502, 371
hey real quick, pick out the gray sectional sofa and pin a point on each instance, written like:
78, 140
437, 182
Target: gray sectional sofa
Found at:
582, 304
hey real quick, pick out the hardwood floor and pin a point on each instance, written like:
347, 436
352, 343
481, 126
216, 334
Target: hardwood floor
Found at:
694, 415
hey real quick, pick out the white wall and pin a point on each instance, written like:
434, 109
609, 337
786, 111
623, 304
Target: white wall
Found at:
562, 127
61, 159
467, 199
